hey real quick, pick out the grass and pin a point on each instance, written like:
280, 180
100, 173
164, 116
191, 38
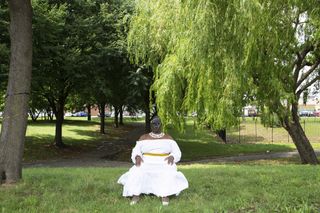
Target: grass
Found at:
82, 136
199, 144
212, 188
251, 131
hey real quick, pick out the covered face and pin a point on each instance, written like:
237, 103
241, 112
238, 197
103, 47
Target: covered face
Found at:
156, 125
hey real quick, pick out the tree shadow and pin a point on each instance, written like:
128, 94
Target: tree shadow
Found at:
41, 147
244, 138
65, 122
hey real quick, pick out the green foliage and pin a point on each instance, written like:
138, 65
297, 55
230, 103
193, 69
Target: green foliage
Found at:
104, 56
4, 50
53, 58
211, 57
79, 51
269, 119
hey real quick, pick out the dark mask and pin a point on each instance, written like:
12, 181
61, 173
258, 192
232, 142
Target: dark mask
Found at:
156, 125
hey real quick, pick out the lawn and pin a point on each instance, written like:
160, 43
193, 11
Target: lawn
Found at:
83, 136
199, 144
252, 131
79, 134
212, 188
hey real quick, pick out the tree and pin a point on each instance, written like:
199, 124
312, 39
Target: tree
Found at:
109, 61
16, 104
58, 49
53, 59
140, 83
212, 57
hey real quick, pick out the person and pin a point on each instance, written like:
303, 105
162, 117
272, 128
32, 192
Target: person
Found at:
155, 172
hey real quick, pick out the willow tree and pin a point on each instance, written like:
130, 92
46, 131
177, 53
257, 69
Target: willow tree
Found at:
213, 56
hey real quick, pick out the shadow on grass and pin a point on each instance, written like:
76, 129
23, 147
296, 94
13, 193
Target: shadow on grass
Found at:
41, 147
65, 122
244, 138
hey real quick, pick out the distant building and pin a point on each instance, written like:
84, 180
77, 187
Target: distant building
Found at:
250, 111
95, 110
313, 103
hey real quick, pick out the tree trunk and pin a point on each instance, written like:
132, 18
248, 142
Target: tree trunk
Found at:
102, 109
59, 113
89, 111
17, 96
121, 115
147, 120
306, 152
50, 116
116, 117
147, 111
34, 114
299, 138
222, 133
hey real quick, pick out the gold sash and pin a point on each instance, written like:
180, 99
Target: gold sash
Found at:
156, 154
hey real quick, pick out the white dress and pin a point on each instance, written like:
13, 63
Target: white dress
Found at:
154, 175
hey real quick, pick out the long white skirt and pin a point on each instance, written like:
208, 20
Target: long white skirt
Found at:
153, 176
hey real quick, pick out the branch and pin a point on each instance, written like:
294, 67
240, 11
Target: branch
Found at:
306, 63
307, 85
308, 73
300, 57
296, 21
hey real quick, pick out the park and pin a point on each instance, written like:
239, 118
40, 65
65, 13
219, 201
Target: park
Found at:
235, 84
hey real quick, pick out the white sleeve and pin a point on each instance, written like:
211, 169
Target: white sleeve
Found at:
136, 151
175, 151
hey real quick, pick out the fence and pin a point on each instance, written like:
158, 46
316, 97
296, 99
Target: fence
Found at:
250, 130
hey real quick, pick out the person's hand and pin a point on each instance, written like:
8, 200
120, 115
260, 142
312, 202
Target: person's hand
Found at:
170, 159
138, 160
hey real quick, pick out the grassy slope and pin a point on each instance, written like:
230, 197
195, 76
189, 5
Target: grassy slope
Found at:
213, 188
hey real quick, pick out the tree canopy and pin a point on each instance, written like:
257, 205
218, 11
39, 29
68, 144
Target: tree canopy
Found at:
214, 56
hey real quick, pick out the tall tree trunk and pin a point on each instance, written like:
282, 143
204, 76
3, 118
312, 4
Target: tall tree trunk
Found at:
14, 122
147, 111
299, 138
121, 115
102, 109
89, 111
116, 117
147, 120
48, 112
59, 113
50, 116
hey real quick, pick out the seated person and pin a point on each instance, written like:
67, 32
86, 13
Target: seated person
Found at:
155, 172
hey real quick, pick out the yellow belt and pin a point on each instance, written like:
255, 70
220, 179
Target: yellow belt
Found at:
156, 154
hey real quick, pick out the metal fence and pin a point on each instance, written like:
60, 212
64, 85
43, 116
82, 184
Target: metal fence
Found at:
250, 130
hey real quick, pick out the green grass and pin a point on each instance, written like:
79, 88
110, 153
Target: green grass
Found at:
198, 144
83, 136
80, 136
252, 131
213, 188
